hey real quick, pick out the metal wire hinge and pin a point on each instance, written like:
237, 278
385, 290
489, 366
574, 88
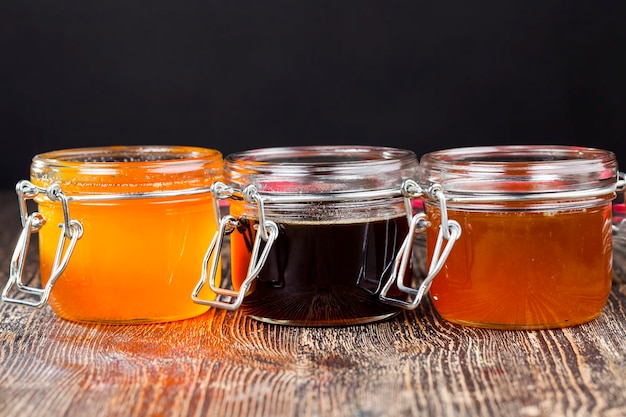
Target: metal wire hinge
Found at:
267, 232
619, 227
620, 185
71, 231
449, 231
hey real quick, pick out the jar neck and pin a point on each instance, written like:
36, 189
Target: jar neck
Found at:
127, 169
336, 212
524, 176
320, 169
535, 205
322, 183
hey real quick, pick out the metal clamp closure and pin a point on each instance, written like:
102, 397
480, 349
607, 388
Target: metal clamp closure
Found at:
267, 232
620, 185
619, 224
220, 191
449, 230
257, 259
71, 230
251, 195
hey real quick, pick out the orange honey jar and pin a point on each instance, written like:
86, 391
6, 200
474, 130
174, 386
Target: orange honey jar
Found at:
536, 246
122, 231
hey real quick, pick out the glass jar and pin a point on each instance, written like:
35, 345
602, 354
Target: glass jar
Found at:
122, 231
536, 248
314, 232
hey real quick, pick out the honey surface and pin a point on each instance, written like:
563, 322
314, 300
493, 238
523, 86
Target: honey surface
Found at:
525, 269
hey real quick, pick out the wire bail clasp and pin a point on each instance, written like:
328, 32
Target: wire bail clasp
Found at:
267, 232
619, 223
620, 183
71, 231
449, 230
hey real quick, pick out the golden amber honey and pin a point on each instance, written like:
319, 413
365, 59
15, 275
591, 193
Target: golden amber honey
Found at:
536, 246
138, 258
526, 269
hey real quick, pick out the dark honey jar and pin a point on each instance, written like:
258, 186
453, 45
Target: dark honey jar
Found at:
314, 233
537, 221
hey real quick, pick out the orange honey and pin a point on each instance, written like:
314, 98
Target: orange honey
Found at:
535, 249
525, 269
140, 253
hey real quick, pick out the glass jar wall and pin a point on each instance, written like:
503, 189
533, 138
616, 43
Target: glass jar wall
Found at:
536, 247
145, 214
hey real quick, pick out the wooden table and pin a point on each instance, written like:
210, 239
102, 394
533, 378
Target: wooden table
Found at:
224, 364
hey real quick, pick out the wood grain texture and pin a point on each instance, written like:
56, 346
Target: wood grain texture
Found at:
224, 364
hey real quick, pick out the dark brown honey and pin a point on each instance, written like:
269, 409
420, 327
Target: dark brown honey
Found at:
321, 274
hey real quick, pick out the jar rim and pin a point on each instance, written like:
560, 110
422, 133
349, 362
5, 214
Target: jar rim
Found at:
320, 169
131, 155
521, 172
320, 155
542, 156
128, 169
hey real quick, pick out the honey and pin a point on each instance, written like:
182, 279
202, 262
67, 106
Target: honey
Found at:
146, 215
536, 245
329, 222
525, 270
322, 274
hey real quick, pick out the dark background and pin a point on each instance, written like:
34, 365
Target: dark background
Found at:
235, 75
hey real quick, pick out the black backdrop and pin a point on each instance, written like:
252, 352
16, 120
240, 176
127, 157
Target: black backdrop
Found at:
235, 75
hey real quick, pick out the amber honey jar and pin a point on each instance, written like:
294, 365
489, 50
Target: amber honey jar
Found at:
121, 230
313, 231
536, 246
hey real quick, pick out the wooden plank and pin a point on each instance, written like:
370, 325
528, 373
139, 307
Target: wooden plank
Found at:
224, 364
